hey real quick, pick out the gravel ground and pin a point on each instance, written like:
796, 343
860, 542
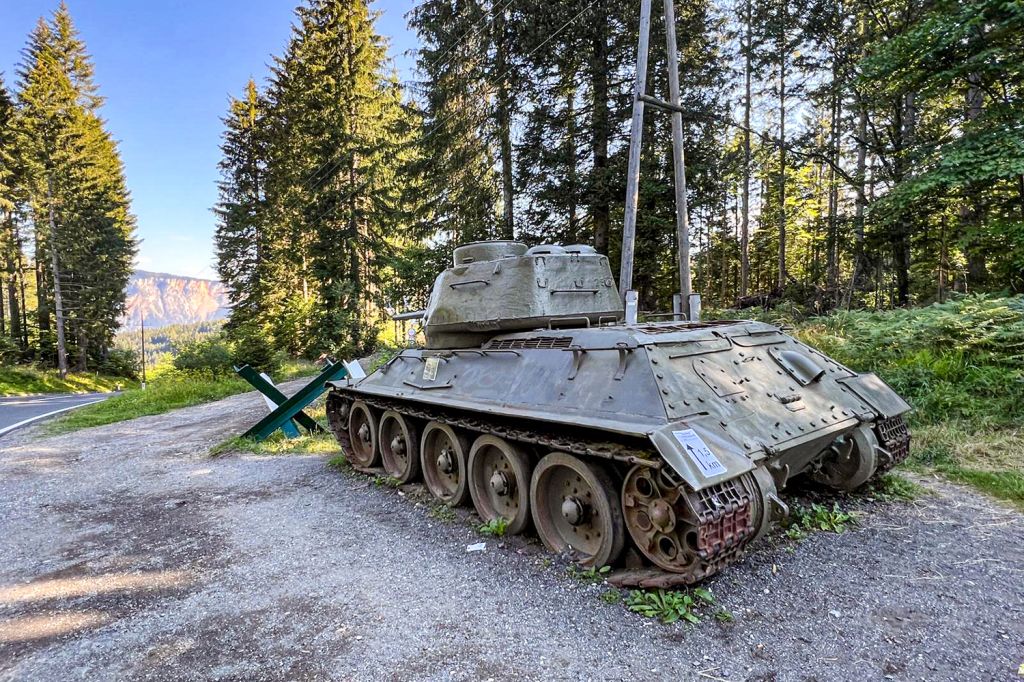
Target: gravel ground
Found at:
128, 553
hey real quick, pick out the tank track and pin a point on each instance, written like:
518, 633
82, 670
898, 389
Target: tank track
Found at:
724, 529
894, 436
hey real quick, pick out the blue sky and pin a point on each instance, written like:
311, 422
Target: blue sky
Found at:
167, 69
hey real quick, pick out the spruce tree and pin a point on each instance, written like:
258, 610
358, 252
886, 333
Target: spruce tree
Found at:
77, 197
458, 157
316, 207
241, 238
10, 316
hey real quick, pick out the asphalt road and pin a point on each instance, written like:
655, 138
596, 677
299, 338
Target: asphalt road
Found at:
15, 411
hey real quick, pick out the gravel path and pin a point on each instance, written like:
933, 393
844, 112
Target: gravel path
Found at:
127, 553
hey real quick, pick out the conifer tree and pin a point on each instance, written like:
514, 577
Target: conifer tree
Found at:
10, 316
316, 202
241, 239
76, 197
462, 180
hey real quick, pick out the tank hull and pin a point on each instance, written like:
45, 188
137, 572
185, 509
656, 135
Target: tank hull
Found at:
697, 426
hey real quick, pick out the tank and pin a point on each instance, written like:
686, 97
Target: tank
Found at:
660, 448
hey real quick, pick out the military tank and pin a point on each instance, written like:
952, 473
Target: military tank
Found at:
660, 446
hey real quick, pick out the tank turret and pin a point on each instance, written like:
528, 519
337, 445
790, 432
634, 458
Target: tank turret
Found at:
502, 286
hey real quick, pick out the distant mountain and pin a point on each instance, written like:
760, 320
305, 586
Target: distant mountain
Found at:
171, 299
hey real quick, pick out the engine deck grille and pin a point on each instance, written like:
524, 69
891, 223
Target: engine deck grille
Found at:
537, 342
680, 327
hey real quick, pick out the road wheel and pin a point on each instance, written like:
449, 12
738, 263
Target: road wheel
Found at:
850, 461
576, 508
399, 446
444, 458
362, 433
499, 482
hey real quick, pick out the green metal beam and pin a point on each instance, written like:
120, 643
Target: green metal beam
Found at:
268, 389
298, 402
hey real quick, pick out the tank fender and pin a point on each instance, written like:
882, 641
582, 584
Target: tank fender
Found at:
877, 394
701, 456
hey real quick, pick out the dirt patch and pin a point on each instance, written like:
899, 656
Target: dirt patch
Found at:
130, 554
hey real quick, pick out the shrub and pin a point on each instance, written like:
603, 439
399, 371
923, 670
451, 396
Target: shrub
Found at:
211, 355
9, 352
250, 346
121, 362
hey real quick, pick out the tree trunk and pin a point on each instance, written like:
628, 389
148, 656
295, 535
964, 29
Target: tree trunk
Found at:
861, 200
782, 149
3, 312
13, 275
599, 205
22, 299
504, 116
42, 303
970, 211
832, 238
745, 216
58, 302
904, 229
12, 306
942, 260
570, 157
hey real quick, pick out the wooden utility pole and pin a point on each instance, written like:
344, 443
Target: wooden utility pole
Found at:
58, 301
635, 144
142, 329
678, 158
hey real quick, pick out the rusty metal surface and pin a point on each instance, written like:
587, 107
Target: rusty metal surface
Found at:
895, 438
576, 508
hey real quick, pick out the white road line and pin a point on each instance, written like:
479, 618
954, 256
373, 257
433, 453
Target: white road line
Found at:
8, 429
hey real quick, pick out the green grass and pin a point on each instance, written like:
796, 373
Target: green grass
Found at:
817, 517
592, 575
894, 487
442, 512
1006, 485
16, 381
670, 606
494, 528
278, 444
169, 391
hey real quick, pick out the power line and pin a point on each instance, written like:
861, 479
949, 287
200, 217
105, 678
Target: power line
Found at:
492, 14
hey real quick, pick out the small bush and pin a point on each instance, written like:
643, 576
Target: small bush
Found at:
251, 346
591, 575
442, 512
9, 351
891, 487
210, 355
121, 362
819, 517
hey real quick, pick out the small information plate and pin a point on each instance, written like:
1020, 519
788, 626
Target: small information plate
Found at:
430, 368
699, 452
